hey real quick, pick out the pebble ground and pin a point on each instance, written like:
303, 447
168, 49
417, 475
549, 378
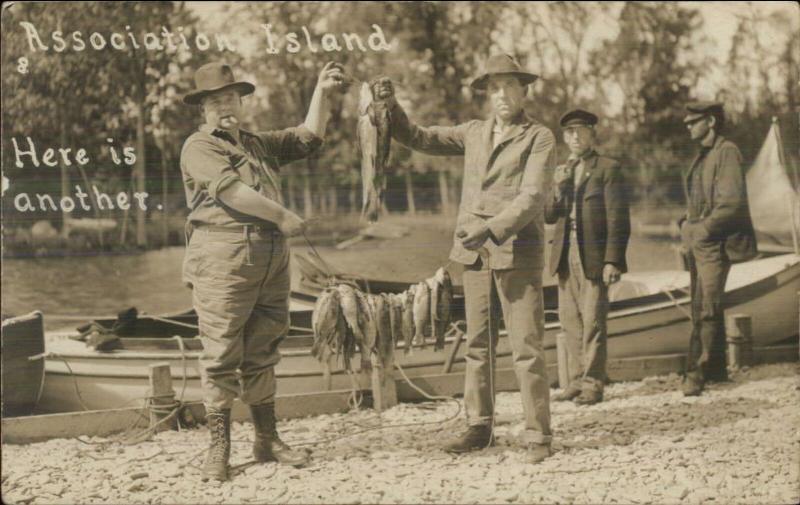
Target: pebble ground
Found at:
738, 443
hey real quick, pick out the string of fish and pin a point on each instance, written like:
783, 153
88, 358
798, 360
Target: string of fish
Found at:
345, 319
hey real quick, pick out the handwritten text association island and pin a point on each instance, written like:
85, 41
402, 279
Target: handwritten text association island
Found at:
180, 39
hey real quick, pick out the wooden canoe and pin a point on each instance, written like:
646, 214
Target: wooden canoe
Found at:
649, 316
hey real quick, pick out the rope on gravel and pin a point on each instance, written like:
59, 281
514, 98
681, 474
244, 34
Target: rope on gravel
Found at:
130, 436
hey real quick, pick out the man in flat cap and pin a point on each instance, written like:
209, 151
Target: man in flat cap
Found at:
715, 232
589, 207
237, 257
499, 239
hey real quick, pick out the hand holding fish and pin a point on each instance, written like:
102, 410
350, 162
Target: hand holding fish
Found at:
374, 140
382, 88
473, 236
332, 77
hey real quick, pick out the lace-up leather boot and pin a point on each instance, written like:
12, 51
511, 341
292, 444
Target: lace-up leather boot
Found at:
268, 446
219, 426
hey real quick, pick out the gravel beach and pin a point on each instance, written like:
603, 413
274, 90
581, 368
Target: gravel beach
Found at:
738, 443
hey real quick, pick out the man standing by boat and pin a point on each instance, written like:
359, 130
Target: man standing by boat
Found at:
507, 164
237, 258
590, 210
715, 232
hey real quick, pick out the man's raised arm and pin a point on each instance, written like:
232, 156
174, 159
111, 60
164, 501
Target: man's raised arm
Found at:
299, 142
434, 140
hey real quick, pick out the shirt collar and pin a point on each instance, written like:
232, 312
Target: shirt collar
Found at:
586, 154
220, 133
520, 119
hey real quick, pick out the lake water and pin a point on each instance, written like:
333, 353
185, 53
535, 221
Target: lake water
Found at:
151, 281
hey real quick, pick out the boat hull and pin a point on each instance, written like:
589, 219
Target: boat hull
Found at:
639, 326
22, 338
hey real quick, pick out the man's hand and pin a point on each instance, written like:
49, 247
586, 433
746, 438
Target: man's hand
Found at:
473, 236
611, 274
332, 77
291, 224
562, 177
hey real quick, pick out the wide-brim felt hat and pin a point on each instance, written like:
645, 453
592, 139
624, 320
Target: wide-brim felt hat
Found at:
697, 110
213, 77
502, 64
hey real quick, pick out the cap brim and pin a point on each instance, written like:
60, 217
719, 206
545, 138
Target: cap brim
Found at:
524, 77
693, 116
194, 97
576, 122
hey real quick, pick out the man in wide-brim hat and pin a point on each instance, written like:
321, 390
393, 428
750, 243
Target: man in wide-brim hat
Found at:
499, 239
237, 257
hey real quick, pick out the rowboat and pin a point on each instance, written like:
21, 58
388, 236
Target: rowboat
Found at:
649, 315
22, 337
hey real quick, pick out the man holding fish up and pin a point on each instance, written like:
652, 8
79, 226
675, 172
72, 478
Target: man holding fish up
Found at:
499, 238
237, 257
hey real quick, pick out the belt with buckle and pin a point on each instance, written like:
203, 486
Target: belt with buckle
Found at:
244, 228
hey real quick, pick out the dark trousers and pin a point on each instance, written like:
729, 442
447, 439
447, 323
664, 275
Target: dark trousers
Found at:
709, 272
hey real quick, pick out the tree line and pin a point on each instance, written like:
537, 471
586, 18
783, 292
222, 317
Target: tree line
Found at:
638, 80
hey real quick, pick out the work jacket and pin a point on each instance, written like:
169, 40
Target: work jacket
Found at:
602, 218
720, 214
504, 186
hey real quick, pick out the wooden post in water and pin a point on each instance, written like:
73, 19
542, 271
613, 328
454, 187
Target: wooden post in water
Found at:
162, 397
561, 357
739, 330
384, 390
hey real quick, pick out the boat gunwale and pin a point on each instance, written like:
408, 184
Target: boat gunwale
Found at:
758, 288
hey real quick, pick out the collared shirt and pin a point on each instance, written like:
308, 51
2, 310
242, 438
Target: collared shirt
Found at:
498, 130
497, 133
212, 160
577, 177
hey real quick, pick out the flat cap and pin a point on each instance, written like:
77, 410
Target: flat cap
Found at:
696, 110
577, 117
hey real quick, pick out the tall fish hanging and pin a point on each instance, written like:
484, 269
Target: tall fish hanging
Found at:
374, 142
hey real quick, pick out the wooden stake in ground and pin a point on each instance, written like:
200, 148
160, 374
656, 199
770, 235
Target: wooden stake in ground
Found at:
162, 397
384, 390
739, 330
448, 364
